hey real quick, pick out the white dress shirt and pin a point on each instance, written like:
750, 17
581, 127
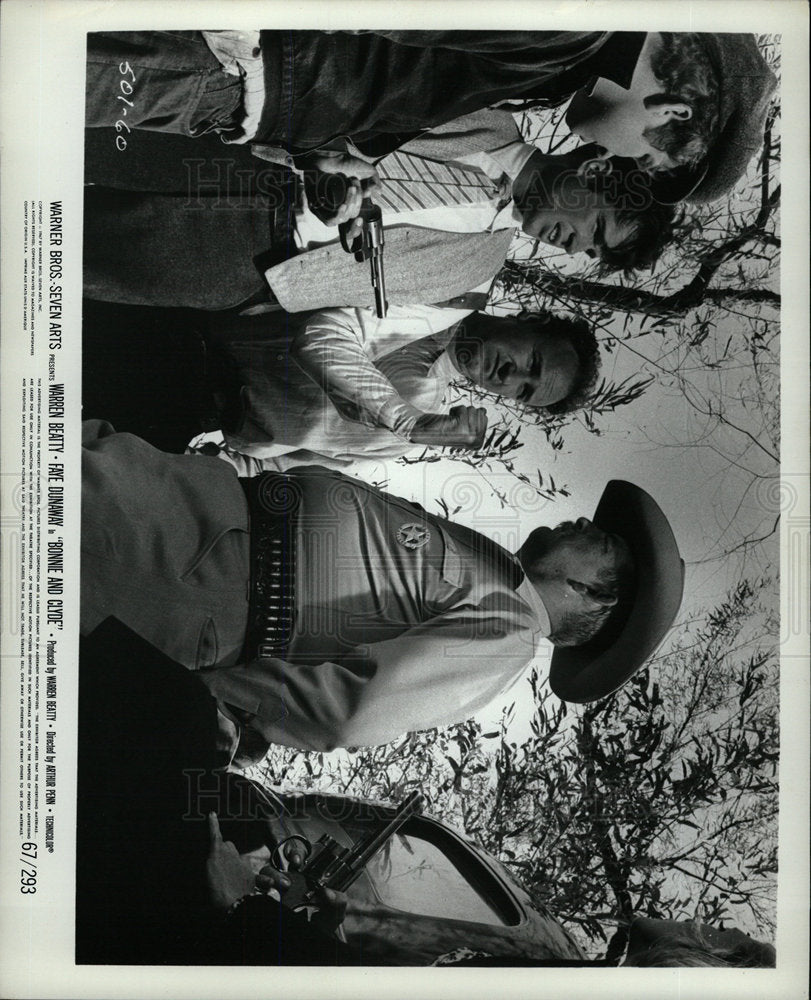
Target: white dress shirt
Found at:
348, 392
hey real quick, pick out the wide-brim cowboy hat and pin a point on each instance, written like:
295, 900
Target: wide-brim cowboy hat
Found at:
638, 625
745, 88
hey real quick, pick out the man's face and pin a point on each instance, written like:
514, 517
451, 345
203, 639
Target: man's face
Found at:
577, 218
617, 122
512, 358
579, 555
616, 118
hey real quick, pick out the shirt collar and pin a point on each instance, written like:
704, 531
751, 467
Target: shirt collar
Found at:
530, 595
617, 59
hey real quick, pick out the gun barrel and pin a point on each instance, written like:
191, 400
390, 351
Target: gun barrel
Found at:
379, 285
366, 848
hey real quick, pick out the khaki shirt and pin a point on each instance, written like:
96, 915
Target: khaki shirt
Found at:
404, 620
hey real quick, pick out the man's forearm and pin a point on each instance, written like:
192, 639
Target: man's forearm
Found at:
433, 674
333, 357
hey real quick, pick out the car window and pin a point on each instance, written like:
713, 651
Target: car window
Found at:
415, 875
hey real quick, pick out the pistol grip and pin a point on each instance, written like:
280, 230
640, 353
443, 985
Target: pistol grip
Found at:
298, 894
356, 247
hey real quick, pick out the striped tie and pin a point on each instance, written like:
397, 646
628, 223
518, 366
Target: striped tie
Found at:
410, 183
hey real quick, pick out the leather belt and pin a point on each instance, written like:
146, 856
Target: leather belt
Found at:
287, 196
273, 503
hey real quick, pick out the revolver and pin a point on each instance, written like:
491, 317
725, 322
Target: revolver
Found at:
329, 865
331, 191
369, 246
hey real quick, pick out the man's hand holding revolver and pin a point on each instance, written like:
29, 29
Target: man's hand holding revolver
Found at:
358, 178
339, 191
230, 877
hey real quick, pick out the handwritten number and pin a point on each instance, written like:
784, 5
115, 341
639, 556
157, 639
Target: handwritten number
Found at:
127, 88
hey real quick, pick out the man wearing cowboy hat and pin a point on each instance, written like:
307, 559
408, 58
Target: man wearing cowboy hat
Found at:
324, 612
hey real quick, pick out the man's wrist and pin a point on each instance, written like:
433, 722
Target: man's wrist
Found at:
399, 417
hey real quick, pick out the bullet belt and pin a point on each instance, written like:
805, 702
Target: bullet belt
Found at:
273, 502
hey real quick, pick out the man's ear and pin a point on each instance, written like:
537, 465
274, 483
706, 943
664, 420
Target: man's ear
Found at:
594, 167
671, 112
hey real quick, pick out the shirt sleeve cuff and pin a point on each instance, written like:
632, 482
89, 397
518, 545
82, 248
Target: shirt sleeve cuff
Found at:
399, 417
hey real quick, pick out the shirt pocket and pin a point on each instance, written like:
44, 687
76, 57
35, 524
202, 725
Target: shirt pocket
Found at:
450, 573
452, 567
207, 645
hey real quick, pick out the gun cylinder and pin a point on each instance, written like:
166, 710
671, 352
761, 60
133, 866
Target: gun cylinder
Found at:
327, 854
333, 866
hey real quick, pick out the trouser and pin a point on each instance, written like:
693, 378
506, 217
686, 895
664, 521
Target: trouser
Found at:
154, 376
165, 250
205, 247
164, 81
165, 547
